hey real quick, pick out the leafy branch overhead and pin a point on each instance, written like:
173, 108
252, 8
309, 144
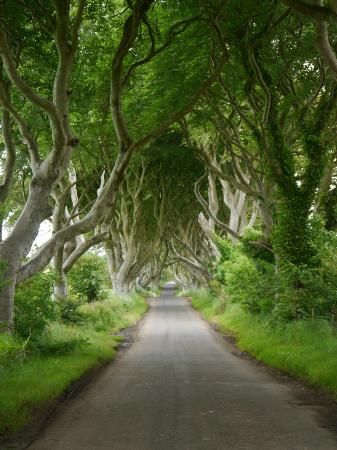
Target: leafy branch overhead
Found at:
151, 131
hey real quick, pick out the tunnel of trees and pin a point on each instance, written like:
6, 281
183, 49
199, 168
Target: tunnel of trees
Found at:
149, 140
192, 140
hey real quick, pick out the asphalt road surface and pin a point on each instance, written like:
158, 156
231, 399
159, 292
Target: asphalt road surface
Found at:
179, 387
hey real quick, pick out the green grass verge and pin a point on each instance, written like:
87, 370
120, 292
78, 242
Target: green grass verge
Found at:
306, 349
67, 352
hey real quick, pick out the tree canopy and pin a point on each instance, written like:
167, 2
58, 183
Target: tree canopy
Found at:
164, 132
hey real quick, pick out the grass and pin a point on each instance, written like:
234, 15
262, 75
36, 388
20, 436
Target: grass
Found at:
114, 313
306, 349
62, 355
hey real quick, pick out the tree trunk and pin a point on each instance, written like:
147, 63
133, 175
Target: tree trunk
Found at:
61, 287
121, 284
121, 287
16, 247
7, 291
234, 221
110, 262
292, 235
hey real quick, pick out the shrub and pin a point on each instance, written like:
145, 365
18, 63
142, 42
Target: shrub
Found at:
245, 285
225, 248
248, 281
34, 306
310, 291
69, 310
87, 277
305, 292
250, 277
251, 246
326, 288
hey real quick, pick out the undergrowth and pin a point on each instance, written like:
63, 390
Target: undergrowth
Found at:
34, 372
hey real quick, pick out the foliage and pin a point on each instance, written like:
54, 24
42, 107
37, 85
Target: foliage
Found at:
252, 245
87, 276
69, 310
12, 350
225, 248
34, 306
286, 292
244, 283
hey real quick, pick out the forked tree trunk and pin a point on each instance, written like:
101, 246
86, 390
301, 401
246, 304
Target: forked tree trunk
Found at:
122, 283
118, 275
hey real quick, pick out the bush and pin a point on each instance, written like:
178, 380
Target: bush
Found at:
310, 291
248, 280
250, 246
225, 248
34, 306
250, 277
305, 292
87, 277
69, 310
245, 284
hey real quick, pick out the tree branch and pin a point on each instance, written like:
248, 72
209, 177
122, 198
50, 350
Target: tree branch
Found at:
130, 31
8, 169
83, 248
202, 201
25, 89
316, 12
324, 46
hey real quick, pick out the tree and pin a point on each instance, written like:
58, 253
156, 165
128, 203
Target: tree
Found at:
50, 154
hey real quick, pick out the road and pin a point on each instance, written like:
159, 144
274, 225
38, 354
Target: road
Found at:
179, 387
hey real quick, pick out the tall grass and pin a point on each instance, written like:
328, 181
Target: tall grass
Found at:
31, 377
113, 313
306, 349
40, 379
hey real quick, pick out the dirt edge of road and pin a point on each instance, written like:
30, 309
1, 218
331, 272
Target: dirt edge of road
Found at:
307, 396
24, 438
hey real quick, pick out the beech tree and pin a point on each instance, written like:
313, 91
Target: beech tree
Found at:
60, 24
286, 109
136, 230
120, 127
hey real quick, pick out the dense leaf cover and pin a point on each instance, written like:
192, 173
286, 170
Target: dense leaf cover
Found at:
193, 140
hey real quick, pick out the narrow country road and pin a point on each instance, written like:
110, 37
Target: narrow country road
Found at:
179, 388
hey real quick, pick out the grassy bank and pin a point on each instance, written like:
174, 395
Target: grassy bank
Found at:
33, 375
306, 349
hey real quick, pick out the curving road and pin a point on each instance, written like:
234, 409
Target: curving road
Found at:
179, 388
